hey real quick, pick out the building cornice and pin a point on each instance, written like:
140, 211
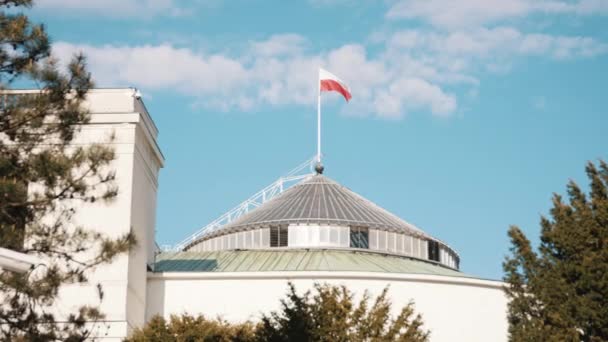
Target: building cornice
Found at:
328, 275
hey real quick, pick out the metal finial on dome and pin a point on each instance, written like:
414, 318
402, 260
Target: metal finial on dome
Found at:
319, 168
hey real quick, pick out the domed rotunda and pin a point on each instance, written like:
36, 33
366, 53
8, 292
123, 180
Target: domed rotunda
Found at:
319, 213
318, 231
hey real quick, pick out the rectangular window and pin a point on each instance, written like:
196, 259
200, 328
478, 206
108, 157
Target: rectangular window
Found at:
359, 237
278, 236
283, 236
433, 247
274, 236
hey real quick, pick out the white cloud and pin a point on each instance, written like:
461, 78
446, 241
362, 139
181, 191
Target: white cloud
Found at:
499, 42
473, 13
115, 8
411, 94
269, 75
414, 70
280, 44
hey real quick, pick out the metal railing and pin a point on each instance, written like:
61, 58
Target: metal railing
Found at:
292, 178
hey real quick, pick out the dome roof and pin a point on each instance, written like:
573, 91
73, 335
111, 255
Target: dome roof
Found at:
287, 260
320, 200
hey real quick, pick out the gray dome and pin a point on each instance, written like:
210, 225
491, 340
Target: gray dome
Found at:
320, 200
320, 213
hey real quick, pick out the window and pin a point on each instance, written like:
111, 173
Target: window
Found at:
283, 235
359, 237
433, 250
278, 236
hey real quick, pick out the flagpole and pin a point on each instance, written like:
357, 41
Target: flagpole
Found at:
319, 122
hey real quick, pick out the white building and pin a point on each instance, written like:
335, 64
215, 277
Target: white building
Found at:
314, 231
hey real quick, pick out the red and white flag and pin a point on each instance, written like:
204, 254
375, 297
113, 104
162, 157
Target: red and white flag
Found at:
330, 82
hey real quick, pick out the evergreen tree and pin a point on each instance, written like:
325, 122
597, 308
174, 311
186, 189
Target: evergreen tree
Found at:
43, 178
331, 314
560, 292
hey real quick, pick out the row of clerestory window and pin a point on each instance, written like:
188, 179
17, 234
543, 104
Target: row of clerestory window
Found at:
353, 237
359, 237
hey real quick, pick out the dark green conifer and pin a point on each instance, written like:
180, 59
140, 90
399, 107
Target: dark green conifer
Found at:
560, 291
332, 314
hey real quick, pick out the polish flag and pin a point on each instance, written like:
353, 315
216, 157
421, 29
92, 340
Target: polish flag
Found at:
329, 82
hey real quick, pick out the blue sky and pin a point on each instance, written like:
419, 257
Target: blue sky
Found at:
466, 116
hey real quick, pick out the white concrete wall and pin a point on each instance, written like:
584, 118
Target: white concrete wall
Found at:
143, 223
453, 309
117, 112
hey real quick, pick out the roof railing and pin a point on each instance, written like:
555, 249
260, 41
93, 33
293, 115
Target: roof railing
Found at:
301, 173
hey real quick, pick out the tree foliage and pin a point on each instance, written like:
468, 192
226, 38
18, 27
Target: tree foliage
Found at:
330, 314
43, 178
560, 291
189, 328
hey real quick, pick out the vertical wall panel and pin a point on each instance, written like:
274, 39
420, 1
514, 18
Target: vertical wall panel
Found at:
231, 241
266, 238
381, 240
292, 236
324, 236
344, 236
257, 238
373, 239
399, 246
250, 235
334, 236
407, 245
314, 235
393, 241
424, 249
243, 239
416, 247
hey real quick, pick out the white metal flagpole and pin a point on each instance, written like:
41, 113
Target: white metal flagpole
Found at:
319, 121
